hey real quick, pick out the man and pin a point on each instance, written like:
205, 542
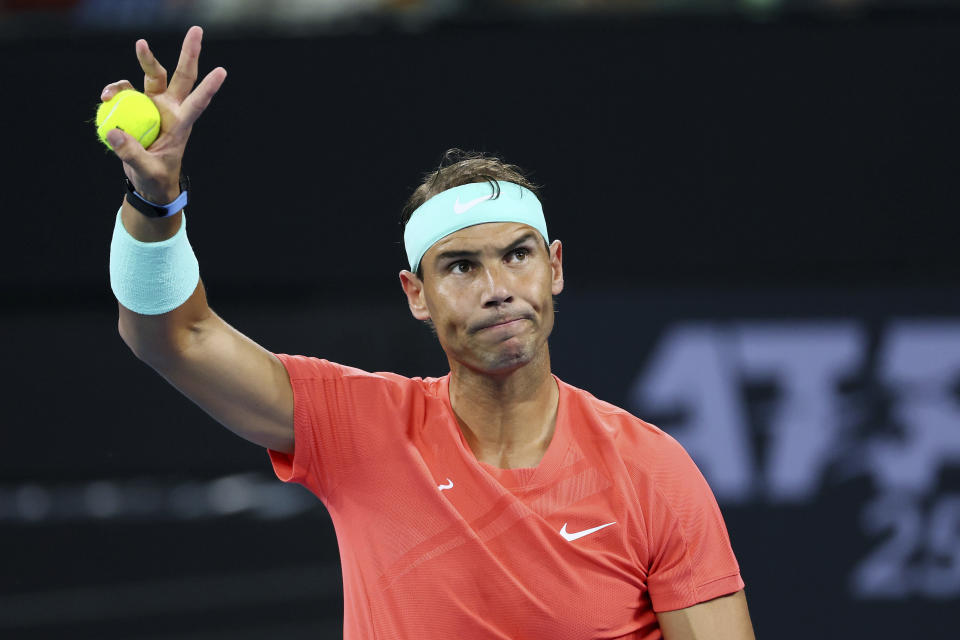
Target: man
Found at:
495, 502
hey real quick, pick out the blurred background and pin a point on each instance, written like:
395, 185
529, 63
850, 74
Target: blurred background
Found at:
758, 204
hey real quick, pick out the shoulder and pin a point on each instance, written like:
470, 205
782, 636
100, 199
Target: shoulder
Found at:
651, 455
630, 432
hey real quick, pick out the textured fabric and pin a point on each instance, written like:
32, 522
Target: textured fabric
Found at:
466, 205
151, 278
435, 544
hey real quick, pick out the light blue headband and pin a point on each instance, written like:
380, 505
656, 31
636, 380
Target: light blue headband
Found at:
465, 206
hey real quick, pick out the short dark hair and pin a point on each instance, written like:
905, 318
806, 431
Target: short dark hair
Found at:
458, 167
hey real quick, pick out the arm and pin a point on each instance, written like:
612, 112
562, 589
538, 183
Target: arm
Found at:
723, 618
236, 381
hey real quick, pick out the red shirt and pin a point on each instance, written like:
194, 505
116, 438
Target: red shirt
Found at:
616, 521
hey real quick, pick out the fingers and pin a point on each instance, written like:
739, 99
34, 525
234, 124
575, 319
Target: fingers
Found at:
197, 101
114, 88
186, 74
154, 75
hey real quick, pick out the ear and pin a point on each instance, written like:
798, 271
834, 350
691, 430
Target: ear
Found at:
556, 266
413, 288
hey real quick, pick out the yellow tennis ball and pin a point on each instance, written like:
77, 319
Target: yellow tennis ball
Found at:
131, 111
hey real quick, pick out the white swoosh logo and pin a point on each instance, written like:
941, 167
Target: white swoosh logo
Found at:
449, 485
579, 534
466, 206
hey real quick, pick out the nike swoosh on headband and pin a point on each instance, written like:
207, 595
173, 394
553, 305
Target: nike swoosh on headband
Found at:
470, 204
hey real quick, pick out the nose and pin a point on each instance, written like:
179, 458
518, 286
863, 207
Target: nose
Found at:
496, 290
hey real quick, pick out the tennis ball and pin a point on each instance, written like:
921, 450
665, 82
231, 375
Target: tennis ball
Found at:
132, 112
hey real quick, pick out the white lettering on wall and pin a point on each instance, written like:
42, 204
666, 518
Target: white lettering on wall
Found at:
697, 376
921, 365
805, 361
691, 372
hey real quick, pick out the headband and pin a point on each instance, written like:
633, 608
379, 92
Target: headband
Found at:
465, 206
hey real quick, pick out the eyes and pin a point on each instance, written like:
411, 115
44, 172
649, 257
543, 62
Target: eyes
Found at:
460, 267
519, 254
514, 256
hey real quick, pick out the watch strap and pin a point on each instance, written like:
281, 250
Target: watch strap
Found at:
152, 209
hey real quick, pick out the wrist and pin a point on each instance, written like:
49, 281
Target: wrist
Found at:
162, 189
152, 278
147, 229
161, 195
162, 206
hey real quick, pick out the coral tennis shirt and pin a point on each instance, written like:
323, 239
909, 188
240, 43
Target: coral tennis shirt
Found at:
614, 523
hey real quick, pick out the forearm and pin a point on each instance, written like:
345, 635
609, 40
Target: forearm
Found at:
154, 338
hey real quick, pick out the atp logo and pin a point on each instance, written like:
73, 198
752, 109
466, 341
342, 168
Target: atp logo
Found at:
825, 396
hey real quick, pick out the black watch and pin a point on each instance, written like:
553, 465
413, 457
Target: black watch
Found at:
152, 209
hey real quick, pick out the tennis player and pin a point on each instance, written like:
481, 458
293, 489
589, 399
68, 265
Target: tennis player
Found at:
494, 502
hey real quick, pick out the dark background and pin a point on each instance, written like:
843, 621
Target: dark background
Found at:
795, 171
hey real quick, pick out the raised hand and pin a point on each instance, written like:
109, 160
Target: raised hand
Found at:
155, 172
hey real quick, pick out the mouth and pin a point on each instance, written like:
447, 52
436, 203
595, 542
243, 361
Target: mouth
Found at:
507, 322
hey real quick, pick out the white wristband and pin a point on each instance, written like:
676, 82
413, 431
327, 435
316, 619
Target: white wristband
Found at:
151, 278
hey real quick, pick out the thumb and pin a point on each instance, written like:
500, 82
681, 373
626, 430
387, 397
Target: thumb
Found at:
126, 147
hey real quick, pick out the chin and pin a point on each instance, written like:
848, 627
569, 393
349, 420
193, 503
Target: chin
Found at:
508, 359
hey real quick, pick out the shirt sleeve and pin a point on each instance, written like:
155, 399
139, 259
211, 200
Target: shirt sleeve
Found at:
690, 557
341, 416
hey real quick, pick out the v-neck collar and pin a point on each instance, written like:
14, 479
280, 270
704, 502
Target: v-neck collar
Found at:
523, 477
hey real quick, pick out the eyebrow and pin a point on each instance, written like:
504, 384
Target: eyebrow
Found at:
460, 255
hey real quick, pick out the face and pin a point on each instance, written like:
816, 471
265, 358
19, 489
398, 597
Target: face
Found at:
488, 290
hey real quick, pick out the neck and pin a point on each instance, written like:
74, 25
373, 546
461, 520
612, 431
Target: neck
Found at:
507, 420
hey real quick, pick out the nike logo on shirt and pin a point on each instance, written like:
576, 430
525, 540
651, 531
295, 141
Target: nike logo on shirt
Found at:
449, 485
579, 534
466, 206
